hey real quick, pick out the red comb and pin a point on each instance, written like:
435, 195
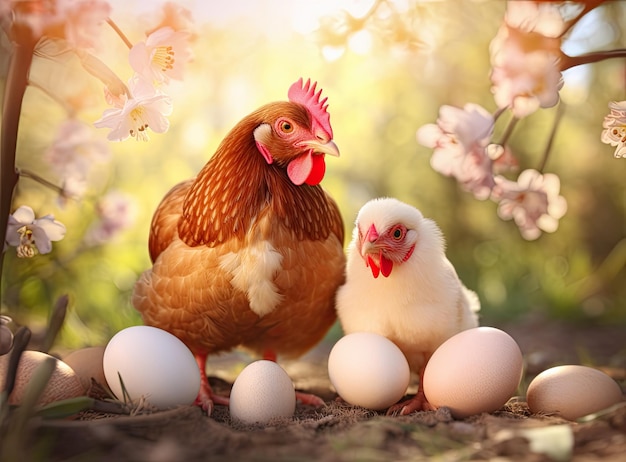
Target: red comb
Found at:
304, 93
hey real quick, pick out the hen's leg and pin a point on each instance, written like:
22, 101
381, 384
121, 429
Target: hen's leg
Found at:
206, 399
417, 403
304, 398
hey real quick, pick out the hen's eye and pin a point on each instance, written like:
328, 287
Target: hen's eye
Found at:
286, 127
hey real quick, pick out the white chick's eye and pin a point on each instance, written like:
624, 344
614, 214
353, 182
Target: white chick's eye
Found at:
398, 232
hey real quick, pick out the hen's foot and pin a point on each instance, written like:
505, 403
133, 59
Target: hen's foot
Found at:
206, 399
304, 398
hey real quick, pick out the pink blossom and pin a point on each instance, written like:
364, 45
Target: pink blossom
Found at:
533, 202
77, 20
73, 153
75, 143
83, 20
539, 17
175, 16
525, 56
475, 174
162, 56
32, 235
503, 158
133, 115
116, 212
37, 15
73, 186
614, 132
459, 139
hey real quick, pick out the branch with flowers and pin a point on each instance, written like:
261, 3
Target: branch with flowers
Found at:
57, 32
526, 75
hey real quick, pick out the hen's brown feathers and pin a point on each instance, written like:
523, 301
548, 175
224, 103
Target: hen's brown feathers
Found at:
237, 183
164, 226
243, 256
218, 206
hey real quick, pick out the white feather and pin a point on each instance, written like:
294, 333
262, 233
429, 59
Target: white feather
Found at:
421, 303
253, 269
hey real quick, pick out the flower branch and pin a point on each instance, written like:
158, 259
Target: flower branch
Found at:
22, 173
120, 33
16, 84
555, 125
567, 62
508, 131
141, 106
526, 75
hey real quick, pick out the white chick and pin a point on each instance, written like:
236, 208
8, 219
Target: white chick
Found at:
400, 284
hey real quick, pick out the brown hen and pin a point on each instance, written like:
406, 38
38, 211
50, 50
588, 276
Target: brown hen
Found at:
250, 252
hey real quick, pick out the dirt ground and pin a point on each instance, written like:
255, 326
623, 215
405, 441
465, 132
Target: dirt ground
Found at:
340, 432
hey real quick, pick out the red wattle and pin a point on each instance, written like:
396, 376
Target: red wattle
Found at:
373, 267
309, 168
318, 170
386, 266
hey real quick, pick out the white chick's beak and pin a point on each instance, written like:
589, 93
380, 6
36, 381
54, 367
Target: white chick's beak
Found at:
373, 254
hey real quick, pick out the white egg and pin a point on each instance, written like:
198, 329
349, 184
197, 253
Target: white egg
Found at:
368, 370
572, 391
475, 371
151, 363
261, 392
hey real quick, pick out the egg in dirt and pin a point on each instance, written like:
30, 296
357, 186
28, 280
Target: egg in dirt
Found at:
368, 370
261, 392
152, 364
87, 364
572, 391
477, 370
63, 383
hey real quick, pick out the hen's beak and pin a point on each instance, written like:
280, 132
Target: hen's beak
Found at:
318, 147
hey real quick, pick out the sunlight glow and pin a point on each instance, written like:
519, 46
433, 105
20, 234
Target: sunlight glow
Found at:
360, 42
331, 54
196, 135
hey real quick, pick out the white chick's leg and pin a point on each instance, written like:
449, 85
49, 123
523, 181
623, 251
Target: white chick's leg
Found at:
417, 403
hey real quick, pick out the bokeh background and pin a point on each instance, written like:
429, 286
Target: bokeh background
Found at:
386, 68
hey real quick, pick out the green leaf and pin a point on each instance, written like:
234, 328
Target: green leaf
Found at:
66, 407
15, 438
20, 341
55, 323
37, 385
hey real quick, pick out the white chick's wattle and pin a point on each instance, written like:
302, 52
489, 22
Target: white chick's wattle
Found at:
400, 284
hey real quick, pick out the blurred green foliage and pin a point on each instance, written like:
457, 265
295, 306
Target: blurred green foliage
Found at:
435, 53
